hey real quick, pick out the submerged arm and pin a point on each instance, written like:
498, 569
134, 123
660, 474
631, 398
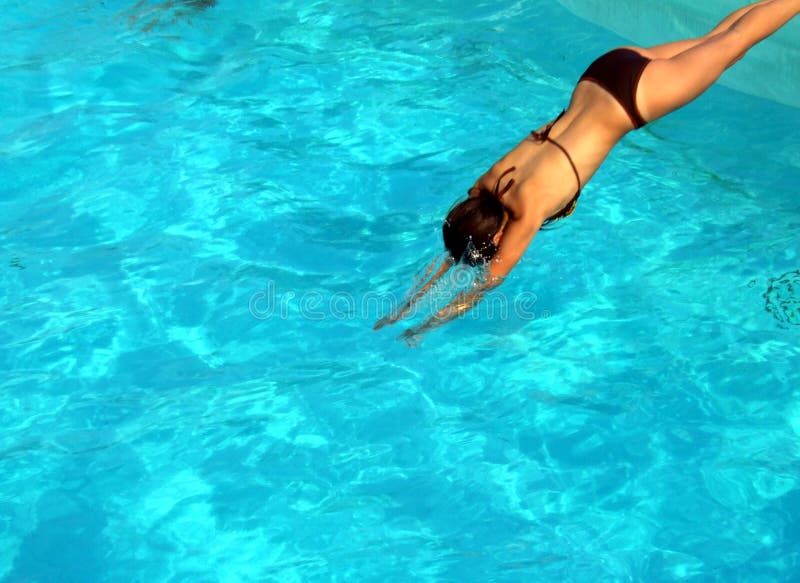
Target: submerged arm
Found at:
424, 285
461, 304
515, 240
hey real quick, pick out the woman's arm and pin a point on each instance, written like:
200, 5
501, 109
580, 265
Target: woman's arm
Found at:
517, 236
461, 304
424, 285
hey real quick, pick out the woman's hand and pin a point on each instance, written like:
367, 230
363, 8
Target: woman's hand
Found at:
423, 287
385, 321
412, 337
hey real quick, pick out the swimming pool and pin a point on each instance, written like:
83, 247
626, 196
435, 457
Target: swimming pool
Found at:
199, 205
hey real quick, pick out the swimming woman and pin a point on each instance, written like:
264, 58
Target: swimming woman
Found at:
539, 180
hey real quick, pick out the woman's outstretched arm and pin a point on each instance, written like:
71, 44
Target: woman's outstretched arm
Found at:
516, 238
424, 284
458, 306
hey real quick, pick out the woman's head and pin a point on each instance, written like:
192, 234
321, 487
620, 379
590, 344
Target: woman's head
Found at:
472, 227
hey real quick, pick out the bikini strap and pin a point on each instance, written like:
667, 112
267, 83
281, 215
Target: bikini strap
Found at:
569, 159
544, 136
499, 193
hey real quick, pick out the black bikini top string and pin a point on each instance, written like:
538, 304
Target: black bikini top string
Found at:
544, 136
499, 193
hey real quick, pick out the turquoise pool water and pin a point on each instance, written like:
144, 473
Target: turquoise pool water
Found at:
198, 210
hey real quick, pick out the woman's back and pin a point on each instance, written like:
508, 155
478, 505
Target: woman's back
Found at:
545, 180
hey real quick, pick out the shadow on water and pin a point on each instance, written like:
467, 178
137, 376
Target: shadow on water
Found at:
147, 17
67, 543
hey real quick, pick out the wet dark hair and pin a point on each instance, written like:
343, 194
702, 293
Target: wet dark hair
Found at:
470, 227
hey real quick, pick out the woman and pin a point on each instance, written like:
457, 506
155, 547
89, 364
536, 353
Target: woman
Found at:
540, 180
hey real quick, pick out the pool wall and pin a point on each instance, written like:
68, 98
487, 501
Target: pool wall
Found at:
770, 70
